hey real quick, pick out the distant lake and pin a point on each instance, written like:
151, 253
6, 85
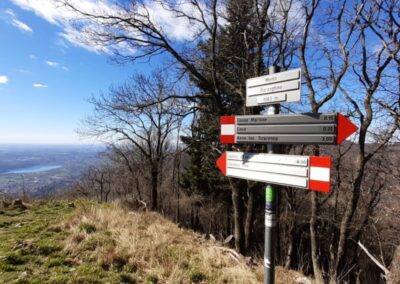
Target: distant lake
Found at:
33, 169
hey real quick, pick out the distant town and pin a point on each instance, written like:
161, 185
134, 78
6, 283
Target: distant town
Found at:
37, 170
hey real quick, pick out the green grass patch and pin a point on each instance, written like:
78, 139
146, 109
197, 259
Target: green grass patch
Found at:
5, 267
58, 261
30, 246
5, 224
47, 250
36, 246
15, 259
87, 228
152, 279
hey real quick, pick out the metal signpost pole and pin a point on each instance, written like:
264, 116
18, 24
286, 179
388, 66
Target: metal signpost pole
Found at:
270, 211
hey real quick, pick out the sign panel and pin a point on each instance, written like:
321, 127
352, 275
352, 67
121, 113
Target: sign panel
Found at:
308, 128
309, 172
275, 88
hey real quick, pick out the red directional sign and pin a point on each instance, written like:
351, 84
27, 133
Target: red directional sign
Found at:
309, 172
308, 128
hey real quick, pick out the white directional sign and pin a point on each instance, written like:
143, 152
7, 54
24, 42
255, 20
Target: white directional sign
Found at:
275, 88
309, 172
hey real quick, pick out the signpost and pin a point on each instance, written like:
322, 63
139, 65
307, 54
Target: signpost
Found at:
308, 172
307, 128
271, 202
274, 88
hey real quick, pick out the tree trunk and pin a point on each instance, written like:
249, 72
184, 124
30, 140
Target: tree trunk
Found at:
238, 217
154, 188
394, 276
351, 207
228, 221
289, 251
248, 228
177, 212
138, 189
314, 243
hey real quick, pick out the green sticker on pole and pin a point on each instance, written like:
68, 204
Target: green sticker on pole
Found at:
269, 194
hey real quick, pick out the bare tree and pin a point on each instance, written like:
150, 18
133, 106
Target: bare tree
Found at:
353, 23
123, 119
343, 38
97, 182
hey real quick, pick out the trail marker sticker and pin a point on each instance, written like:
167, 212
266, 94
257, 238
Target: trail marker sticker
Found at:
309, 172
308, 128
274, 88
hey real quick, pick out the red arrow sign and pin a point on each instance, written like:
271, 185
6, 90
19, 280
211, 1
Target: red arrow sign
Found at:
344, 128
309, 172
221, 163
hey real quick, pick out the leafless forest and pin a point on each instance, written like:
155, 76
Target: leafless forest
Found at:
162, 129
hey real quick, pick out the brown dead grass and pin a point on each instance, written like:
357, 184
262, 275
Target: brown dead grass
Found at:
147, 245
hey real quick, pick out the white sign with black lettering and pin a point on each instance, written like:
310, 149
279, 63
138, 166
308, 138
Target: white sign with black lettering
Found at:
275, 88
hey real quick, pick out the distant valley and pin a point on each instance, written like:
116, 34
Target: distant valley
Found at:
38, 170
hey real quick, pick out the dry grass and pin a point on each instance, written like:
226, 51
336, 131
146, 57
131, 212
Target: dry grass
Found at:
153, 249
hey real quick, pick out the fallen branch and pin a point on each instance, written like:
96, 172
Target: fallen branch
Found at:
380, 265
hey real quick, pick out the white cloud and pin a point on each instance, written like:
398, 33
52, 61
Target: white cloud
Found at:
38, 85
10, 13
24, 71
20, 25
31, 56
3, 79
52, 63
63, 17
11, 18
177, 28
56, 64
76, 38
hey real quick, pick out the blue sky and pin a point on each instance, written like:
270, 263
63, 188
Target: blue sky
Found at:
47, 72
45, 79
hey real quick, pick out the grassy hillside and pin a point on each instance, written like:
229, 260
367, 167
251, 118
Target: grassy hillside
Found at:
55, 243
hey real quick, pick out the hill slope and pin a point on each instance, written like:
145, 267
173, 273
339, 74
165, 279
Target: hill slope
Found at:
55, 243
